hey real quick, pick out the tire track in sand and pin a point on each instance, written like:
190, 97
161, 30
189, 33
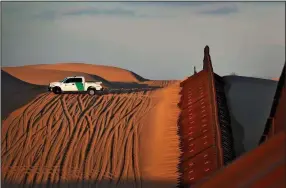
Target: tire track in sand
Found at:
74, 138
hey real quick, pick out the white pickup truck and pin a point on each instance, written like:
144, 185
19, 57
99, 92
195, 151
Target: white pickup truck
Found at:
75, 84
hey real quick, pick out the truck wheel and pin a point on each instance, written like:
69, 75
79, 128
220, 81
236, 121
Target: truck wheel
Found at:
57, 90
91, 91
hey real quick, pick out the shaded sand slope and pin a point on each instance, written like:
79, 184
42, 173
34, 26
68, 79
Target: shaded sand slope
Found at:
16, 93
106, 140
107, 72
249, 101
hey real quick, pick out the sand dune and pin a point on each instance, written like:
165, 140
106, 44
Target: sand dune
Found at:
109, 73
160, 83
42, 76
109, 139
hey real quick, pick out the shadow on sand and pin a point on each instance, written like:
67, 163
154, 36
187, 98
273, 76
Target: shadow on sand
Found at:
15, 93
249, 102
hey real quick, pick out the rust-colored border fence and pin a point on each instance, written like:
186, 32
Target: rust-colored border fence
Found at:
204, 125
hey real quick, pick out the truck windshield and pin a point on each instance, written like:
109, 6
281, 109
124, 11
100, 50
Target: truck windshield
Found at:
63, 80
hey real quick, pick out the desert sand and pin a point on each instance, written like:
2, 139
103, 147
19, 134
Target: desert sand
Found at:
111, 77
80, 140
22, 84
160, 139
160, 83
127, 138
52, 71
39, 76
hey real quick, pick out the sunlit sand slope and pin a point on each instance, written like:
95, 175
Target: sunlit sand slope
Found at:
112, 140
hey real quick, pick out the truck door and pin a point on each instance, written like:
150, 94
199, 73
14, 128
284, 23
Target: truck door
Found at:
79, 84
69, 85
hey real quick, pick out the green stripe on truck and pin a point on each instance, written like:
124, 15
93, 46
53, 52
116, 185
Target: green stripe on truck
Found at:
79, 86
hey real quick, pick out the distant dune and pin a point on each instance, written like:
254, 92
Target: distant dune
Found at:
111, 77
123, 140
112, 74
41, 76
249, 101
